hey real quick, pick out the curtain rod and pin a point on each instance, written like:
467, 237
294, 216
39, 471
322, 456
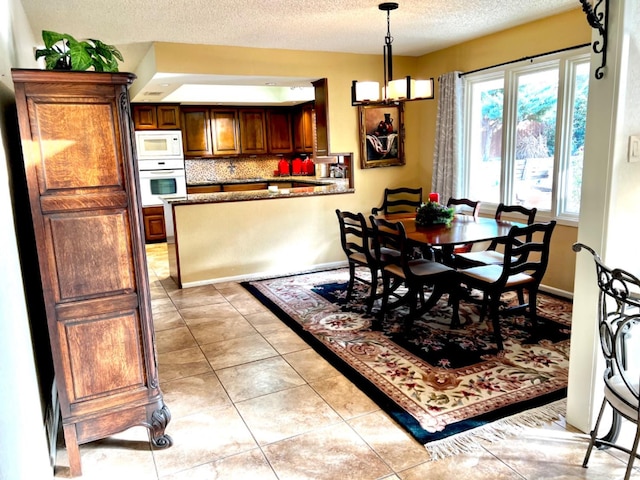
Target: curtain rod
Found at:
524, 58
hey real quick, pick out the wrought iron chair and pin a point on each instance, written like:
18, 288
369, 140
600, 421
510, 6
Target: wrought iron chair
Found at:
399, 200
416, 274
356, 244
525, 263
618, 322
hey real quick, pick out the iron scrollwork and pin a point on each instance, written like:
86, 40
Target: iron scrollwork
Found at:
598, 19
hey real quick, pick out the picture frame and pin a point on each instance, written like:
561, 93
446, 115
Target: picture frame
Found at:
381, 135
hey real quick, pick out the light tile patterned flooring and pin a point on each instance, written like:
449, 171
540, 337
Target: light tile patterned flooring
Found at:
250, 400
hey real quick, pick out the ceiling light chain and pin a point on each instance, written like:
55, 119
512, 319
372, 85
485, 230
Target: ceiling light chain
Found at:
393, 91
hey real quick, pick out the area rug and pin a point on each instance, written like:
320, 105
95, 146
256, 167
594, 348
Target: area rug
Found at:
446, 387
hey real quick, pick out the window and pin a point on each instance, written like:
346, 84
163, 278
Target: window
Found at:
524, 134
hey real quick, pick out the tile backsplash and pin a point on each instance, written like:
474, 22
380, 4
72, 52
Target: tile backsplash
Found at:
201, 170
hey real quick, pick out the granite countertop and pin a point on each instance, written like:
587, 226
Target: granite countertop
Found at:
329, 187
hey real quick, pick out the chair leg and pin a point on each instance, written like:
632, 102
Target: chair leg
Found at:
594, 432
352, 280
373, 290
632, 457
494, 309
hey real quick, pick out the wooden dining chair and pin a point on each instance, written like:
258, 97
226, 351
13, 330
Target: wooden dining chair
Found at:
491, 255
525, 262
464, 206
618, 326
356, 244
415, 274
399, 200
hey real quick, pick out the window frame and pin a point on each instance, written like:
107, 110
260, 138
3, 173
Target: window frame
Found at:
567, 64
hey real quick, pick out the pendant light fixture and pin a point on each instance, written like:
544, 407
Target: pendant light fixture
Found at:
393, 91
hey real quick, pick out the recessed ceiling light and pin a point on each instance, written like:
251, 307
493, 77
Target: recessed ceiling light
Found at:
165, 84
270, 84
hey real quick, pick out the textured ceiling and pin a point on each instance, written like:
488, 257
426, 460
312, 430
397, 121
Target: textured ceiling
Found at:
355, 26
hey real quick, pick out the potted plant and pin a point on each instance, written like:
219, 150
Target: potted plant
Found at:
63, 52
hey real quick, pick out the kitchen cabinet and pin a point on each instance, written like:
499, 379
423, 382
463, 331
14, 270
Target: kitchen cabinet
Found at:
196, 132
204, 189
253, 136
303, 129
88, 237
154, 229
210, 131
156, 117
244, 187
279, 131
224, 130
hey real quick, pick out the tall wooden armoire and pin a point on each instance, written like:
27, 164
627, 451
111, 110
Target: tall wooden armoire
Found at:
76, 133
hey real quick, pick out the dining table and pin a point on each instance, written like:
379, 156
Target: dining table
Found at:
463, 229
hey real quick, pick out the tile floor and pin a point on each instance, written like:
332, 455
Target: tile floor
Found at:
250, 400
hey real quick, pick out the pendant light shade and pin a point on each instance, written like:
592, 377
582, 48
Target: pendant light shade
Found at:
392, 91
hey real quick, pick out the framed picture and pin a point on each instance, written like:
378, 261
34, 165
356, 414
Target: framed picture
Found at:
381, 135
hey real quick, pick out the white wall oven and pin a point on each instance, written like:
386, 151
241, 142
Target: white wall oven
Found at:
160, 166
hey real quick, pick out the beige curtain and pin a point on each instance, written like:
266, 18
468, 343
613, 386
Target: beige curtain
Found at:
447, 151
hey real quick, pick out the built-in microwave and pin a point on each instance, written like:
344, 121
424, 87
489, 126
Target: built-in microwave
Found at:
159, 144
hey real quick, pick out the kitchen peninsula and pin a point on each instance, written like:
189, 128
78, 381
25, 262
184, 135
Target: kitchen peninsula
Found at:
229, 235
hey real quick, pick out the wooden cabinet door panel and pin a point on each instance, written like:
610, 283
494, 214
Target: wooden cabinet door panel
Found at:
168, 117
303, 129
224, 127
253, 135
144, 117
196, 132
279, 131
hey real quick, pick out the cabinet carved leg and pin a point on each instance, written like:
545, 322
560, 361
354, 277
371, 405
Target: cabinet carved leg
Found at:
73, 452
160, 418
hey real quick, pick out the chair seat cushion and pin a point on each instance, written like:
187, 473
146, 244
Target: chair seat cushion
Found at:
620, 397
419, 268
491, 274
487, 257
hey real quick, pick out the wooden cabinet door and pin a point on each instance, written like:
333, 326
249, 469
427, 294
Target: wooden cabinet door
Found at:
144, 117
154, 228
279, 134
253, 136
303, 129
196, 132
224, 130
168, 117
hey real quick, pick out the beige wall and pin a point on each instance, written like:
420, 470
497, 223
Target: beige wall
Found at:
554, 33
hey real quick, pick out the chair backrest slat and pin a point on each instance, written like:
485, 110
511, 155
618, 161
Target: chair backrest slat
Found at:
354, 235
465, 206
527, 251
400, 200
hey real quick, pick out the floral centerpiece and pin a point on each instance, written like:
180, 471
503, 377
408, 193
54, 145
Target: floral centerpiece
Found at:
433, 213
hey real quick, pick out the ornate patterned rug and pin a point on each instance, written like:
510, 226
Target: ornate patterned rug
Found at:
447, 387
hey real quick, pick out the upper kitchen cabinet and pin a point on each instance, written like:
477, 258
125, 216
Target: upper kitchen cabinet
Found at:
253, 136
156, 117
321, 107
196, 132
303, 129
224, 130
279, 133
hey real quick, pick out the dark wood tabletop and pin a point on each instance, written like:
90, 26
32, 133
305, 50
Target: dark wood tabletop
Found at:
463, 229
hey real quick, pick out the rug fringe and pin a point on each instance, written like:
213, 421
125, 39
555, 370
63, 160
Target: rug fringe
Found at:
469, 441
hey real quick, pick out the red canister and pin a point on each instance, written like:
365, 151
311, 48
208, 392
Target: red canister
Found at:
297, 166
283, 167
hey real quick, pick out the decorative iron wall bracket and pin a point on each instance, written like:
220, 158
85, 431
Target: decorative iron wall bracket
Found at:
598, 20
